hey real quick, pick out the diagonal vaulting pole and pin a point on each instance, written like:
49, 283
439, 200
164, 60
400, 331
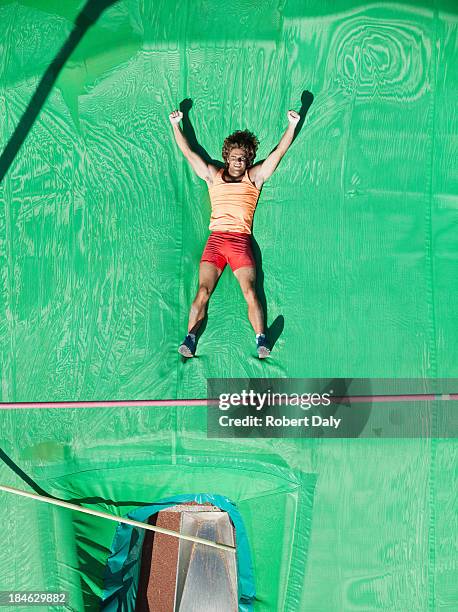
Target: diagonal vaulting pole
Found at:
117, 519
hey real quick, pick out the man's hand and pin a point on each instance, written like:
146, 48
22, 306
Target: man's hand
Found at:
175, 117
293, 117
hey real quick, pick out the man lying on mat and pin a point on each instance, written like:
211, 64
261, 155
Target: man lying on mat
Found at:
234, 192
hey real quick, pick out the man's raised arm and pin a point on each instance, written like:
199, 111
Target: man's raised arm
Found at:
203, 170
263, 171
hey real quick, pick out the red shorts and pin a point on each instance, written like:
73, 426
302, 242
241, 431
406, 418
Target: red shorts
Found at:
229, 247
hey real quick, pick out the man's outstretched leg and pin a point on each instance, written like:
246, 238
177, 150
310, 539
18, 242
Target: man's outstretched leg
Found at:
247, 278
208, 277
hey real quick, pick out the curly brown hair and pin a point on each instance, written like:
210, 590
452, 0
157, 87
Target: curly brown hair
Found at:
241, 139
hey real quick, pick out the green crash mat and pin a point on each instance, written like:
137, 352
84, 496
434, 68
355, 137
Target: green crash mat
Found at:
102, 224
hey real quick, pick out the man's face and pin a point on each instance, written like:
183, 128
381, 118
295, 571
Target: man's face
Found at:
237, 162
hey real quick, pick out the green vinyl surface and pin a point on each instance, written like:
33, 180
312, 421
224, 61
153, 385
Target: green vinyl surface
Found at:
102, 225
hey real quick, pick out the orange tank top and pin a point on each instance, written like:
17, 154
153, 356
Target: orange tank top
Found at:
233, 204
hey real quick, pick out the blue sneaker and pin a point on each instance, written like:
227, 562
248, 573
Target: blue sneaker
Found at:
188, 347
262, 347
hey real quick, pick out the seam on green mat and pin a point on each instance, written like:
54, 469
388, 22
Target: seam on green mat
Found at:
301, 541
181, 191
180, 277
432, 369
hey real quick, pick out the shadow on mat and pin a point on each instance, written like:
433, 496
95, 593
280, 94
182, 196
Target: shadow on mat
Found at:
72, 500
274, 331
88, 15
22, 475
189, 132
